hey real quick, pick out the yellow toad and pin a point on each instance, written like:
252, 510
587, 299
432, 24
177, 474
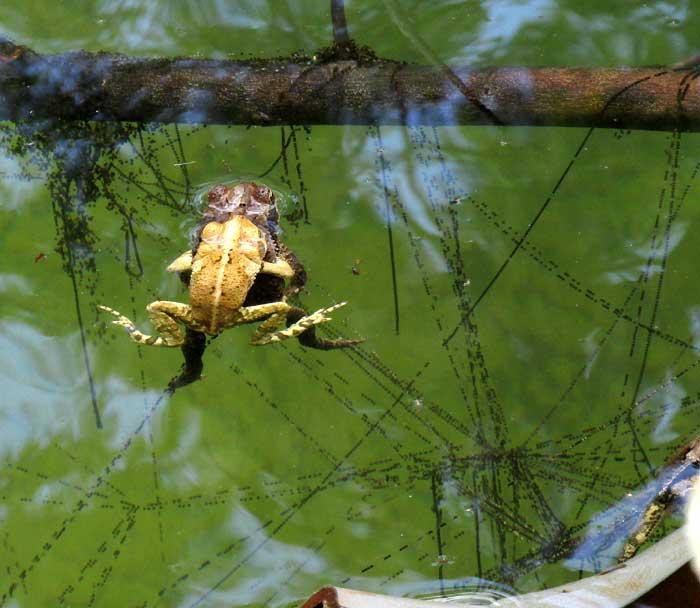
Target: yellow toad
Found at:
229, 257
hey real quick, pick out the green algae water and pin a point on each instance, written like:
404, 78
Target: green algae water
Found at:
510, 395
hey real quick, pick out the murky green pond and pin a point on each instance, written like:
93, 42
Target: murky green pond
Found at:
449, 450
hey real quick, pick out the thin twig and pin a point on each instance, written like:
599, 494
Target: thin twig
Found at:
340, 24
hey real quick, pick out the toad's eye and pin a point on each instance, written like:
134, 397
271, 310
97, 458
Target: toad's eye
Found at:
216, 193
264, 193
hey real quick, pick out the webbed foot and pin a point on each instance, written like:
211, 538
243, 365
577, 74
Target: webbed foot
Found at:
301, 325
172, 338
309, 338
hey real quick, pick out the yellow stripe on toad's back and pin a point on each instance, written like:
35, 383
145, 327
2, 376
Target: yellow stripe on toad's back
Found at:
230, 240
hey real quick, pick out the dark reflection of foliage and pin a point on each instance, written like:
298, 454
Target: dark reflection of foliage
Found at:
290, 143
75, 157
81, 164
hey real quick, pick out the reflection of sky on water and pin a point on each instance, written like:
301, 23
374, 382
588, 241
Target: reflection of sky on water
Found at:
46, 383
694, 323
417, 182
45, 394
650, 253
669, 404
608, 530
270, 564
503, 22
162, 27
661, 248
13, 190
139, 26
41, 387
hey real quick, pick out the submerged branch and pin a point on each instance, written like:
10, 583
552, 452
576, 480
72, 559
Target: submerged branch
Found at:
327, 90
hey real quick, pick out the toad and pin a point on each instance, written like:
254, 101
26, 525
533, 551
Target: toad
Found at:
236, 273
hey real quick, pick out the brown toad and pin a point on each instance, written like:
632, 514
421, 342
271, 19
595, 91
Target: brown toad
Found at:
237, 244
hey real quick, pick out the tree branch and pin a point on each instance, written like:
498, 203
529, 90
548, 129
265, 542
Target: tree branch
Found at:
361, 90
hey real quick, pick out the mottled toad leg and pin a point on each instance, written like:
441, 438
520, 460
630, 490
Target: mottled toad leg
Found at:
266, 328
299, 277
182, 263
299, 326
309, 338
279, 268
249, 314
165, 316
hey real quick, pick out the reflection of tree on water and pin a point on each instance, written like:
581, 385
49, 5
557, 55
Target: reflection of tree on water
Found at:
495, 495
81, 162
565, 464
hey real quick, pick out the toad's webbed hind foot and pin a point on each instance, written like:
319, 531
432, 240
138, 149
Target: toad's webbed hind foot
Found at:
303, 326
299, 324
172, 336
266, 335
309, 338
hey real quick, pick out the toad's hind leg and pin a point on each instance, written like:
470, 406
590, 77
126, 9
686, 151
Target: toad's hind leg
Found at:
266, 329
249, 314
300, 325
164, 316
309, 338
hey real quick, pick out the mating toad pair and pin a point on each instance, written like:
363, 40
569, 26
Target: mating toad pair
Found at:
236, 273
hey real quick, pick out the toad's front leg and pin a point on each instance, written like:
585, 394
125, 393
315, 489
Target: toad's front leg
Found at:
165, 317
183, 264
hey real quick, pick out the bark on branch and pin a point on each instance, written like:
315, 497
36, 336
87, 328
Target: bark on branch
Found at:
361, 90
